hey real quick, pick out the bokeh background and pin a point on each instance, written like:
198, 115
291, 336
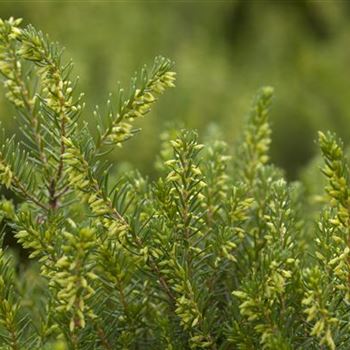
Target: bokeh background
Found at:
224, 51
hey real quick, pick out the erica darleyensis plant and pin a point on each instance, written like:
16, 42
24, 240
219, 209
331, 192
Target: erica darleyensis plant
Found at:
216, 253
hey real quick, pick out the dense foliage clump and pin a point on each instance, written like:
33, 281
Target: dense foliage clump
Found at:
219, 252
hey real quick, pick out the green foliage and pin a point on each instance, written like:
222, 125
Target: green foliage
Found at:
223, 50
210, 255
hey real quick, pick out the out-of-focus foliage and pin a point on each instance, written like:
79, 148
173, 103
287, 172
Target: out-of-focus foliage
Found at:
223, 51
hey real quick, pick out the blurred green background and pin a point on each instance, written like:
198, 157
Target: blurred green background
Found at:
224, 51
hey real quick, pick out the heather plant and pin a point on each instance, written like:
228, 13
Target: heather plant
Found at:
217, 252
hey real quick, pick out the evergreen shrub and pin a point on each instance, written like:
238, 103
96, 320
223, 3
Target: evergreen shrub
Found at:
219, 252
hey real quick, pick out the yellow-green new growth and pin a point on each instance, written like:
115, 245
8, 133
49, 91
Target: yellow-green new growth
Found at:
75, 277
81, 179
138, 104
317, 309
336, 170
6, 175
257, 135
10, 67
